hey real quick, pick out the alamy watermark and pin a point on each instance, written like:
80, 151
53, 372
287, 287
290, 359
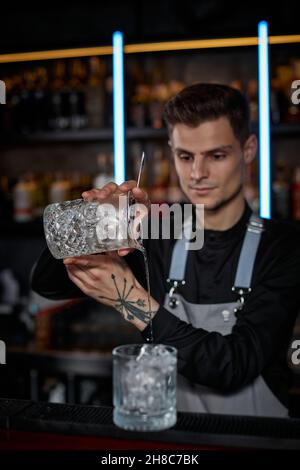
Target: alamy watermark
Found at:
2, 352
295, 355
176, 221
2, 92
295, 96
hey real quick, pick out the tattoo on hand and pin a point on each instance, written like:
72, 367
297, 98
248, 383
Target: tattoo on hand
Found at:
129, 308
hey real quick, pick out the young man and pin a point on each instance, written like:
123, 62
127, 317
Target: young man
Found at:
232, 311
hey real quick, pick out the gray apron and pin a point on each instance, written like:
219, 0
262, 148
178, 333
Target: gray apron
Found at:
255, 399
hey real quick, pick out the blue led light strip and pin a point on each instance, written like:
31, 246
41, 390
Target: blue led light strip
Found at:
118, 106
264, 122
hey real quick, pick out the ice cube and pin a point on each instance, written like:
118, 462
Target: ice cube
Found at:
146, 350
144, 387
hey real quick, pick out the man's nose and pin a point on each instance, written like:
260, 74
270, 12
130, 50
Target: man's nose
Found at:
199, 169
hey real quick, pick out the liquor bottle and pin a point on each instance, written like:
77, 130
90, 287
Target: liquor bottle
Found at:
281, 191
277, 102
105, 171
76, 95
14, 120
138, 106
95, 93
137, 95
59, 101
41, 99
24, 198
108, 98
160, 166
26, 105
284, 75
159, 94
296, 194
175, 86
5, 200
60, 188
252, 92
237, 85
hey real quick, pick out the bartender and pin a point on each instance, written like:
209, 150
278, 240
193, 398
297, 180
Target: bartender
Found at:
230, 307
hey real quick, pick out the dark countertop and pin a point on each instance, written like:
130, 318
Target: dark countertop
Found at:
37, 426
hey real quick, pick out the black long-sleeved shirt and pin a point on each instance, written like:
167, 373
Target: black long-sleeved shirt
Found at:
259, 340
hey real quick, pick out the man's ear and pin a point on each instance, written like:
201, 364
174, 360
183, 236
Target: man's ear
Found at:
250, 149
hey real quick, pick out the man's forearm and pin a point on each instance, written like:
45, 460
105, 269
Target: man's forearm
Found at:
133, 303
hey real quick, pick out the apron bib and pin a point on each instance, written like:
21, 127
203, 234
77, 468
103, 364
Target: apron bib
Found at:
255, 399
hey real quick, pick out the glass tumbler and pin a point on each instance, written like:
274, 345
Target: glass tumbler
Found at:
74, 228
144, 386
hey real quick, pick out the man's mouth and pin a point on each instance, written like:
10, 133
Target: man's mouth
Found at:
202, 189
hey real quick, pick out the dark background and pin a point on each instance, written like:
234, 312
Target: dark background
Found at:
28, 26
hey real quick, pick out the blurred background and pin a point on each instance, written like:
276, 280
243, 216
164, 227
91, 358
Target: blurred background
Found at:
56, 140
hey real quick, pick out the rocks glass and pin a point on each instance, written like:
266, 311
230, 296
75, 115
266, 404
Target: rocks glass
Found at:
144, 386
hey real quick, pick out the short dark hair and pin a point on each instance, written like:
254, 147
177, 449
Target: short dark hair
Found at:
209, 101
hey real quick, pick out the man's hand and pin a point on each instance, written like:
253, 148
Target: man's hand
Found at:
107, 279
110, 189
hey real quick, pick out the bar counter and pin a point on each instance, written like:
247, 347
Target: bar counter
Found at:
28, 425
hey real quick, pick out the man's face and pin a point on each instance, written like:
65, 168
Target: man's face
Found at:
209, 162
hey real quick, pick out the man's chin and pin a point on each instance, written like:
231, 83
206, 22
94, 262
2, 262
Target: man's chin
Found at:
207, 201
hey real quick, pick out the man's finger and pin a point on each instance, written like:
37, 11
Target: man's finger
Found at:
125, 251
101, 193
86, 261
141, 196
127, 185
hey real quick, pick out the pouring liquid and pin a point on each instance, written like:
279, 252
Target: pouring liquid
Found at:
144, 252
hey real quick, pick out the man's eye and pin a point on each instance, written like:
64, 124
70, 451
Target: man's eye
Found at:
184, 156
219, 156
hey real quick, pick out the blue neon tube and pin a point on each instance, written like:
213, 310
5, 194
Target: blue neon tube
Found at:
264, 122
118, 108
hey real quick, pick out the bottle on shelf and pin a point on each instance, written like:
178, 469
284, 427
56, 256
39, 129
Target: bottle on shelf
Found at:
277, 102
252, 92
95, 93
139, 105
108, 99
24, 198
281, 191
41, 100
27, 103
5, 199
60, 189
59, 112
40, 195
137, 95
105, 171
159, 94
76, 95
160, 167
296, 194
284, 75
236, 84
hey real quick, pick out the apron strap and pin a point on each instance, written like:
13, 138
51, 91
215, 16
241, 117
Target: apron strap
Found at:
178, 263
247, 257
